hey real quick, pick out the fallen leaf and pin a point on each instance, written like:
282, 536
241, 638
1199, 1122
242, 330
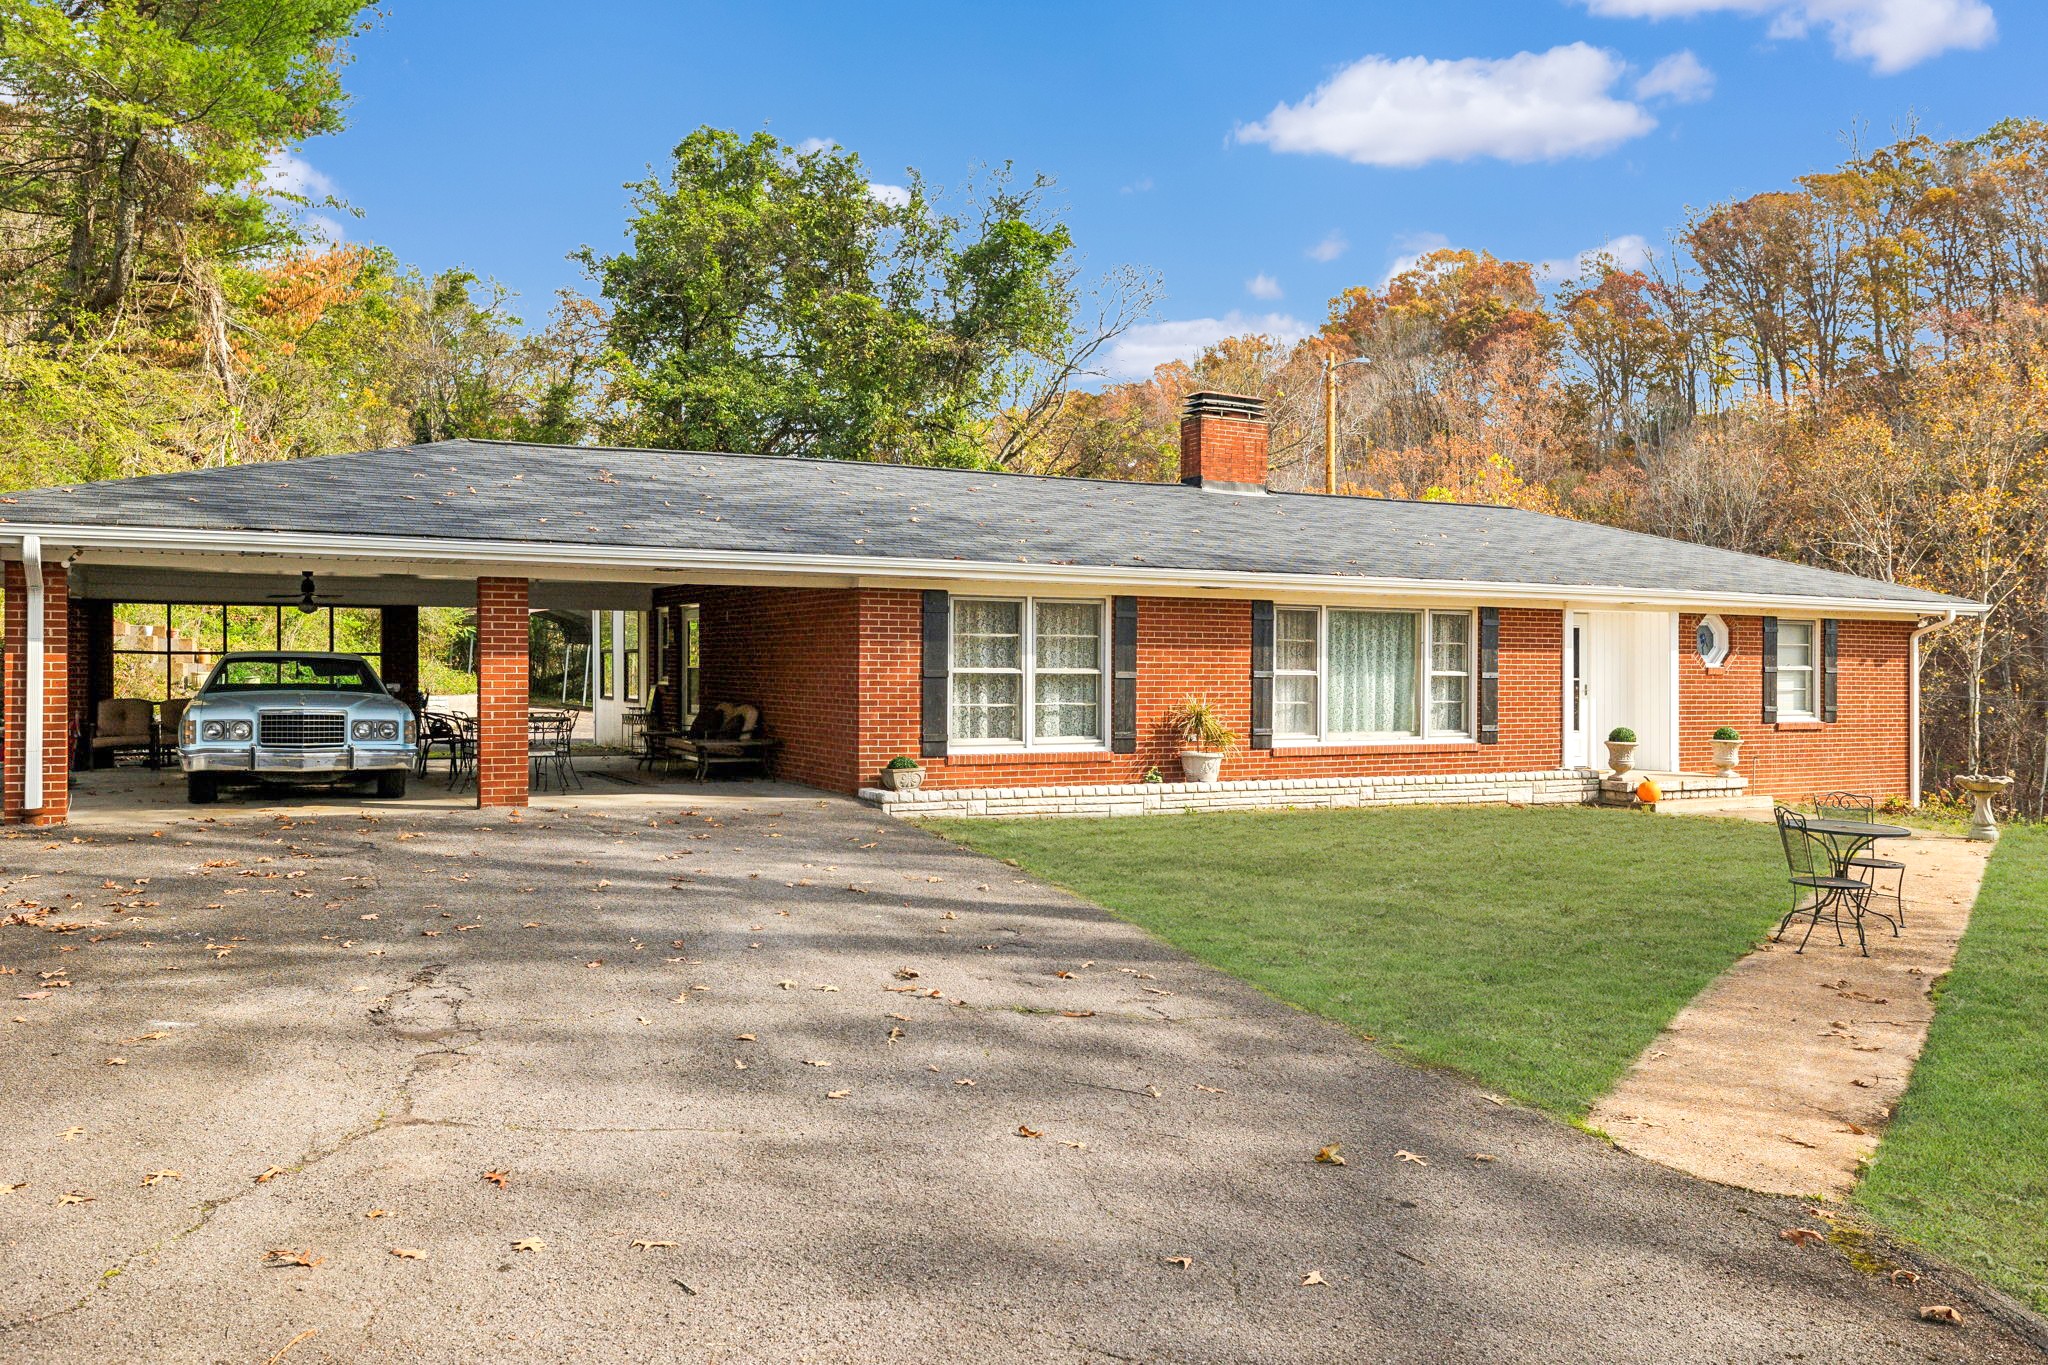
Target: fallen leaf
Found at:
837, 1094
1026, 1131
1330, 1156
1077, 1146
528, 1244
73, 1133
408, 1254
378, 1213
6, 1188
1801, 1236
271, 1173
963, 1081
1904, 1276
743, 1037
74, 1197
643, 1244
1184, 1262
158, 1177
1314, 1277
1484, 1156
813, 1061
906, 974
499, 1178
738, 1065
1940, 1312
286, 1256
1410, 1156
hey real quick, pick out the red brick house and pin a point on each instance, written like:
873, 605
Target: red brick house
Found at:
1023, 637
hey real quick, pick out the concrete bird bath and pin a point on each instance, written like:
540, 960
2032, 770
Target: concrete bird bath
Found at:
1981, 789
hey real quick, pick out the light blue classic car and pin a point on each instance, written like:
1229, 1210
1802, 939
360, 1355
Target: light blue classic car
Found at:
298, 719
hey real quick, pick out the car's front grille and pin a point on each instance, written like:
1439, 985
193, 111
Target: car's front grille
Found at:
301, 729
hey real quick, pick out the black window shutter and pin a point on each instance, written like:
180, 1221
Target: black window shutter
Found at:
938, 648
1262, 675
1489, 675
1123, 685
1828, 629
1770, 624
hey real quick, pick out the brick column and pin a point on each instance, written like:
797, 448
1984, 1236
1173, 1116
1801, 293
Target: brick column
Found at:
56, 745
398, 645
501, 679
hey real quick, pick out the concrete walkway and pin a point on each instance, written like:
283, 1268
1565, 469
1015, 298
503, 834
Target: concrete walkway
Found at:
1781, 1075
779, 1079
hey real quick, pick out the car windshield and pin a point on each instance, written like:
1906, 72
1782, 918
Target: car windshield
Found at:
256, 672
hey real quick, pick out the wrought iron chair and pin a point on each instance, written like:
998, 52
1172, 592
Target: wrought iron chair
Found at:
1815, 892
548, 749
1869, 866
438, 730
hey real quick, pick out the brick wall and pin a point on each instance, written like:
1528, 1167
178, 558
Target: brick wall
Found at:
1203, 647
56, 744
501, 682
1867, 749
791, 652
1223, 449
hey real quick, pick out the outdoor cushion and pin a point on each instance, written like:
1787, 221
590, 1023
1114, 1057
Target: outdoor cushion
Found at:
122, 722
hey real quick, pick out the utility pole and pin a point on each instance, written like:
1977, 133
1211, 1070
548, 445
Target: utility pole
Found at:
1330, 368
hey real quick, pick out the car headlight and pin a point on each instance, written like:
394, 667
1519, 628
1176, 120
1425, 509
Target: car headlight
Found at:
375, 729
214, 729
241, 729
222, 729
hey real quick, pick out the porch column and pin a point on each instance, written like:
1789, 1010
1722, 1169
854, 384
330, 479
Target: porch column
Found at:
501, 680
398, 646
48, 800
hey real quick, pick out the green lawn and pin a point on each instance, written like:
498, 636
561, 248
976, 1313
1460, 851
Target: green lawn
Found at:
1538, 951
1964, 1166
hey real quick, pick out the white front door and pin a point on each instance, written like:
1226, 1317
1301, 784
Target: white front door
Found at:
1629, 666
1579, 749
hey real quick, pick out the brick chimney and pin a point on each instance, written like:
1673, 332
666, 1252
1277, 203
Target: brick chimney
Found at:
1223, 442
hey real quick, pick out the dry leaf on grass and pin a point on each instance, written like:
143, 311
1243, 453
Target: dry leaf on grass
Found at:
1903, 1276
1941, 1312
1330, 1156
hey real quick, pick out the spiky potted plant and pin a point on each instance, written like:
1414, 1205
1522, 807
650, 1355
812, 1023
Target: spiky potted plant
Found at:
1727, 750
902, 774
1204, 739
1621, 749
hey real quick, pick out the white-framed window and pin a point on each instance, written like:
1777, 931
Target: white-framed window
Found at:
1028, 672
1342, 673
1710, 641
1798, 642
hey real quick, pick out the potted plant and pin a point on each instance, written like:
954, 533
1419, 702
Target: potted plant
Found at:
1621, 749
1727, 748
1204, 739
902, 774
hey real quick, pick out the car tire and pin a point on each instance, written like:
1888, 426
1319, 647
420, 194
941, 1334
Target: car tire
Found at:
391, 785
201, 790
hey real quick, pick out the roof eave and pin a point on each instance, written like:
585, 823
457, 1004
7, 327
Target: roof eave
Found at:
669, 562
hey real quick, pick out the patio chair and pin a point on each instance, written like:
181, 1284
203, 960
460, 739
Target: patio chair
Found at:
441, 731
548, 738
741, 741
123, 725
170, 718
1816, 892
1867, 865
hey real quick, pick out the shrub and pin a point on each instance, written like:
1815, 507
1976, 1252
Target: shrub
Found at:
1727, 732
1621, 734
902, 761
1152, 774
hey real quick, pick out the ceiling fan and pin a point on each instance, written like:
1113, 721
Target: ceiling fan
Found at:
308, 596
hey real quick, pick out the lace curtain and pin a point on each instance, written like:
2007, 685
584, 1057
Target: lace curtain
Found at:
1372, 663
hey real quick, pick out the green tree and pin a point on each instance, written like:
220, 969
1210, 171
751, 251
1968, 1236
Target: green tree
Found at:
776, 300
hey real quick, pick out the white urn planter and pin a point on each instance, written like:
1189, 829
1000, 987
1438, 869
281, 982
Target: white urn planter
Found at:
1196, 766
1726, 753
1982, 790
902, 779
1621, 755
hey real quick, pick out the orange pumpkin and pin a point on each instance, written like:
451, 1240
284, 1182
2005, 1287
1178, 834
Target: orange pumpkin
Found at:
1647, 793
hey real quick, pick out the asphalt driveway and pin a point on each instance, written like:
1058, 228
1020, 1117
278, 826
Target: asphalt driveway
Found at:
782, 1082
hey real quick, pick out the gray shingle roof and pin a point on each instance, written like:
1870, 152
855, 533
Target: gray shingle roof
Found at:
573, 496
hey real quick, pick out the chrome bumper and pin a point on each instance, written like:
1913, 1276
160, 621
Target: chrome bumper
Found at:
297, 762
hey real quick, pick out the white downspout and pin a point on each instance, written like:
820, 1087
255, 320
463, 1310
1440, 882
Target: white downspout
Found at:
32, 659
1926, 628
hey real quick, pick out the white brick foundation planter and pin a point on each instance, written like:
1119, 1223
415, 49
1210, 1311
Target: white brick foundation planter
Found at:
1549, 787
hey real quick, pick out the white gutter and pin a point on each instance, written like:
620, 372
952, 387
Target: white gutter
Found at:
1927, 628
32, 694
523, 557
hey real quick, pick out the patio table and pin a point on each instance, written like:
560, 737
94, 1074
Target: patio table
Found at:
1844, 839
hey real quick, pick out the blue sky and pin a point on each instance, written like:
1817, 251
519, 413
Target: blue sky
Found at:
1259, 158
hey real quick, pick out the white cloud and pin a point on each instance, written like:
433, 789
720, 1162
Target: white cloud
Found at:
1410, 250
814, 144
1333, 245
1139, 186
284, 173
895, 196
1145, 348
1680, 78
1263, 286
1408, 111
1889, 34
1631, 251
